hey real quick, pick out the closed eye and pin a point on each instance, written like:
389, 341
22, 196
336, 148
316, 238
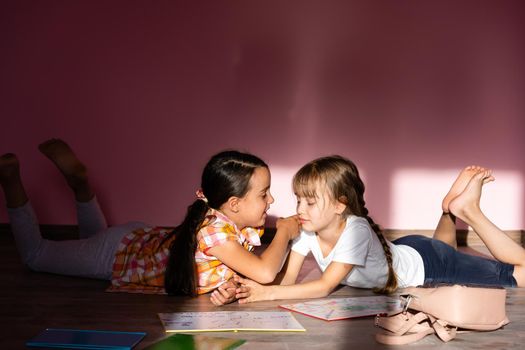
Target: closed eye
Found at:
309, 202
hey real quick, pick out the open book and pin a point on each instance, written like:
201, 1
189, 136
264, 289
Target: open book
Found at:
342, 308
224, 321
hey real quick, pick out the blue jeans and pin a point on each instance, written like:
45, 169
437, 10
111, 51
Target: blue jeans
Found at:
444, 264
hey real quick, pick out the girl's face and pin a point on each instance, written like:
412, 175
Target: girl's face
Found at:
319, 213
253, 206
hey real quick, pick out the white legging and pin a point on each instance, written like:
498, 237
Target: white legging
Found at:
90, 256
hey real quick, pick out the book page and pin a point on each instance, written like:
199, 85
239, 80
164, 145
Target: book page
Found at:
230, 321
342, 308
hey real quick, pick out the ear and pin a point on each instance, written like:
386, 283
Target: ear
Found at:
340, 207
233, 204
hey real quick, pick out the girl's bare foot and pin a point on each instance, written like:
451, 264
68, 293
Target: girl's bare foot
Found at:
11, 182
9, 169
69, 165
459, 185
466, 204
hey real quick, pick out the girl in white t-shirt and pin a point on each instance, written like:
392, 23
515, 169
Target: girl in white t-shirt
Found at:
350, 248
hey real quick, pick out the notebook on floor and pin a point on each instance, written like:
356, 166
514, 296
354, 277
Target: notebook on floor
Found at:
196, 342
342, 308
86, 339
230, 321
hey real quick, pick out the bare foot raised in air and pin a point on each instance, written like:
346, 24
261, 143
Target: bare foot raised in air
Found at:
466, 205
14, 192
69, 165
9, 169
459, 185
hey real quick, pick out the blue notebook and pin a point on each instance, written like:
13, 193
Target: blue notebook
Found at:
86, 339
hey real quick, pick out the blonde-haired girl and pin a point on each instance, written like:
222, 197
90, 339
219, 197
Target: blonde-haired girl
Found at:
350, 248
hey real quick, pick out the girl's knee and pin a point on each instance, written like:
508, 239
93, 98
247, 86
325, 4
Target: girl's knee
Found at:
30, 262
519, 275
31, 258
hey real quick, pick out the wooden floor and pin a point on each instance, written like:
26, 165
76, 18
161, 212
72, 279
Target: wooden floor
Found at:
31, 302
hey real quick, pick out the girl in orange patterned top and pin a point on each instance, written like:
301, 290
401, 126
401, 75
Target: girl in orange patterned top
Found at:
200, 255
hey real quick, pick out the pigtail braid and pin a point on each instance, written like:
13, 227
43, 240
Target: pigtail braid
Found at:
391, 282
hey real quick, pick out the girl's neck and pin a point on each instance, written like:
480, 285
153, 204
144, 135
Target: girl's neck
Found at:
332, 232
230, 216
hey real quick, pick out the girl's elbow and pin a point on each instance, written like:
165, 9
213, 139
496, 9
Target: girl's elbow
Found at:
326, 290
322, 292
266, 276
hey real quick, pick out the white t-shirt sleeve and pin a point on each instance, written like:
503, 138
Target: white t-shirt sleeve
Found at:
353, 245
301, 244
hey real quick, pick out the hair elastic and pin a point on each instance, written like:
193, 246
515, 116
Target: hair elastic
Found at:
200, 195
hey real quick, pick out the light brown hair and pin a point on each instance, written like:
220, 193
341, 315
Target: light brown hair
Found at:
341, 177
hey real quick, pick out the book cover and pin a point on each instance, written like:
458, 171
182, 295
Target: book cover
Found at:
86, 339
343, 308
224, 321
195, 342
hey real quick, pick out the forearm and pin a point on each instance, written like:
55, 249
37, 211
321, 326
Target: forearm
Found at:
290, 271
319, 288
312, 289
274, 255
284, 279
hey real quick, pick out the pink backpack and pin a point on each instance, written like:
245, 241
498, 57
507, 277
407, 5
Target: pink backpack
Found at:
442, 310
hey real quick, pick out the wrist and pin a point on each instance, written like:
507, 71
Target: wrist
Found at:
285, 233
271, 292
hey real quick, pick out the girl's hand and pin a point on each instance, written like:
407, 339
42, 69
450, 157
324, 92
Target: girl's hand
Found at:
290, 225
225, 293
222, 296
250, 291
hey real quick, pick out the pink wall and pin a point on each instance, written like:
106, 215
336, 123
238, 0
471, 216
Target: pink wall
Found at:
146, 92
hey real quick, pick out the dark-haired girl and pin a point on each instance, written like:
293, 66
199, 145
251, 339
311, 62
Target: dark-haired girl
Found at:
201, 255
350, 249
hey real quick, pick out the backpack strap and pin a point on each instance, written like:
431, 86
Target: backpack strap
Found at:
388, 339
443, 330
406, 327
403, 322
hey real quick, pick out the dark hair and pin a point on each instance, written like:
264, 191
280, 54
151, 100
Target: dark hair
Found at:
341, 177
227, 174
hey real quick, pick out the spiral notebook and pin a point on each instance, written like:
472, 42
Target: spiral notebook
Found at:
86, 339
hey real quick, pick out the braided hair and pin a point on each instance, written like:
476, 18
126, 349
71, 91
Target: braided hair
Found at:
344, 184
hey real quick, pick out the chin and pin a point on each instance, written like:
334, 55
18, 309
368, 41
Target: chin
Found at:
260, 222
307, 228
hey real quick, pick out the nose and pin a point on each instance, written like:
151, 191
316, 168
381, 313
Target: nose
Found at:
270, 198
299, 209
